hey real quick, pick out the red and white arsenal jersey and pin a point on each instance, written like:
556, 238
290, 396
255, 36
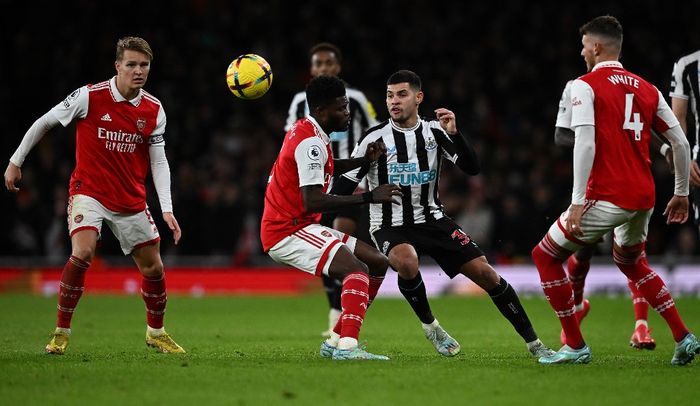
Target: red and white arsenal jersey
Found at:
305, 159
623, 107
112, 139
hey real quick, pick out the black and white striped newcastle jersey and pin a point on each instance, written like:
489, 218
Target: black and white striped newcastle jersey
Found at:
413, 160
362, 117
685, 84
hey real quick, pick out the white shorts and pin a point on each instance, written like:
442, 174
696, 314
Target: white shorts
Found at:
599, 217
133, 230
312, 248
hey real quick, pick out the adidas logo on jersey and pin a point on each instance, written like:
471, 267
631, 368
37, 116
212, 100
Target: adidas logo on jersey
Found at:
106, 117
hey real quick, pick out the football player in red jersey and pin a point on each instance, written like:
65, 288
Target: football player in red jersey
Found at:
119, 135
579, 263
613, 113
326, 59
295, 197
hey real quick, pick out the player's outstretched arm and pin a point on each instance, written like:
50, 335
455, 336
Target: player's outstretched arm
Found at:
315, 201
373, 152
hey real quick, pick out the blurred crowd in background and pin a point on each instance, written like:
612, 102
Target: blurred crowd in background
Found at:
501, 66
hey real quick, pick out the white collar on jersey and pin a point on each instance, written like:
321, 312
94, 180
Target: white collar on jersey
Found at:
118, 96
319, 130
393, 124
607, 64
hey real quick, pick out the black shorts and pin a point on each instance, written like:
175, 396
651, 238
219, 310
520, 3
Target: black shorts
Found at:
443, 240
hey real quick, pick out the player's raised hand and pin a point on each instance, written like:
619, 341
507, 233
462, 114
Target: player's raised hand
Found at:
13, 174
447, 120
677, 210
387, 193
375, 150
171, 221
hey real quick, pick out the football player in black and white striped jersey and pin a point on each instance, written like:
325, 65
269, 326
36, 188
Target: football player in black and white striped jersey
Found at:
415, 148
326, 59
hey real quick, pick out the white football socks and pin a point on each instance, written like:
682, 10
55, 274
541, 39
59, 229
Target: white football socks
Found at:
430, 327
65, 331
154, 331
333, 339
346, 343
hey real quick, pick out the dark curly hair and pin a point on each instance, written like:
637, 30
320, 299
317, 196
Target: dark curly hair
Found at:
323, 90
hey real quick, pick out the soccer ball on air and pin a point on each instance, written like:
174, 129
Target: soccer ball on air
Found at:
249, 76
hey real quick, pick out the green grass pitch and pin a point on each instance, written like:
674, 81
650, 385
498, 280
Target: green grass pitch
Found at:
264, 350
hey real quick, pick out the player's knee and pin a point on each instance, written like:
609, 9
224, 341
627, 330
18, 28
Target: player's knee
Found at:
153, 270
84, 253
626, 255
406, 266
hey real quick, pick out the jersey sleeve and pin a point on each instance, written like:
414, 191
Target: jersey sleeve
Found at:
582, 110
679, 89
445, 142
158, 135
311, 157
664, 117
72, 107
564, 114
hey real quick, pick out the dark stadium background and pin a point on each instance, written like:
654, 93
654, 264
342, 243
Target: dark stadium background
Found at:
499, 65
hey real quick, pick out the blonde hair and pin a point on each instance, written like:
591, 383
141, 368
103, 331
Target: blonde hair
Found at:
133, 44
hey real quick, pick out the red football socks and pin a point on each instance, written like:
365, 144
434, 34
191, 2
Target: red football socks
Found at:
153, 293
70, 289
641, 307
354, 299
557, 289
652, 287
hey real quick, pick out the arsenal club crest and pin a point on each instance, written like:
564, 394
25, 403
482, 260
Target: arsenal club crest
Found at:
78, 218
141, 124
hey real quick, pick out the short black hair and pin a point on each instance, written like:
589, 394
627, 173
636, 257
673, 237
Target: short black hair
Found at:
405, 76
323, 90
327, 47
607, 26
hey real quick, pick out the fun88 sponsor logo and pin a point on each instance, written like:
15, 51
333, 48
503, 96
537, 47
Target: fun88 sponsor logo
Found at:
407, 174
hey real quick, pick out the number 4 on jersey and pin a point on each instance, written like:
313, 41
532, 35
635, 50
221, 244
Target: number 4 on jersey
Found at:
634, 125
